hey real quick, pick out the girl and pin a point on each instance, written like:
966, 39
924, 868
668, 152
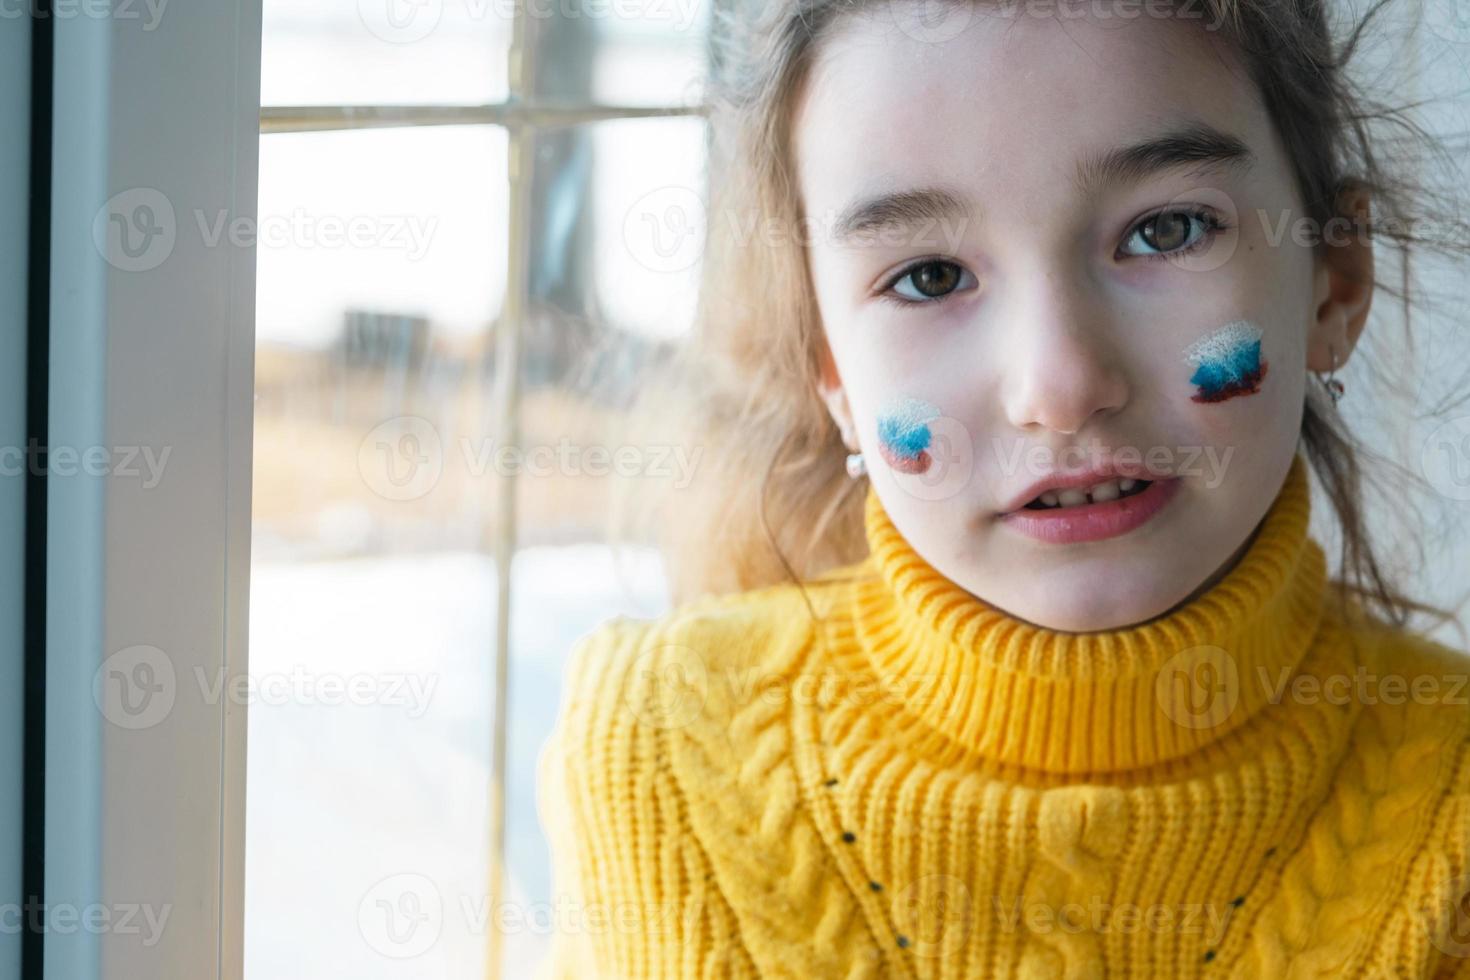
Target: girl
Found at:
1002, 647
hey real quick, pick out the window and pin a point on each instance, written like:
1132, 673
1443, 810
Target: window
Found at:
448, 252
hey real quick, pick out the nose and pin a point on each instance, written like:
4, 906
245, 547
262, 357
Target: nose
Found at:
1062, 368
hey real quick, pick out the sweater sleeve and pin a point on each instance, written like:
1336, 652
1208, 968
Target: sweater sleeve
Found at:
635, 895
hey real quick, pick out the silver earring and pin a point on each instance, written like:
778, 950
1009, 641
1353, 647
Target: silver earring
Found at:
1334, 387
856, 465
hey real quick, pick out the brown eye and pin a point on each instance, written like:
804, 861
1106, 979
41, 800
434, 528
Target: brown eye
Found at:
1167, 232
935, 279
1172, 233
929, 281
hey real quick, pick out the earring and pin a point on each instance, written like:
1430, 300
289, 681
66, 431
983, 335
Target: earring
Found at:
1334, 387
856, 465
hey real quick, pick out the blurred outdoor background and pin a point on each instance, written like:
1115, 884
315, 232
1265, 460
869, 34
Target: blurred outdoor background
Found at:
383, 272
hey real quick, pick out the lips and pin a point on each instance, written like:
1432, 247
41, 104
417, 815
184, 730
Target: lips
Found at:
1093, 520
1095, 484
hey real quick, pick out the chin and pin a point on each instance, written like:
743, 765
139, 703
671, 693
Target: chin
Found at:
1088, 605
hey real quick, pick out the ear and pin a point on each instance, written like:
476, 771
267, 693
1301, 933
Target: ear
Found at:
1342, 284
829, 386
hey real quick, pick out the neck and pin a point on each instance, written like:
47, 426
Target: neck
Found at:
1100, 701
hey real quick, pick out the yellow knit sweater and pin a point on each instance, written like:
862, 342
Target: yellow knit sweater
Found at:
915, 784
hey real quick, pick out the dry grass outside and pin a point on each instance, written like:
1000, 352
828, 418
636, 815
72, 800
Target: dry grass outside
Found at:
314, 495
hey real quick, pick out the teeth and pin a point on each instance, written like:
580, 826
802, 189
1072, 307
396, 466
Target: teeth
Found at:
1071, 497
1100, 493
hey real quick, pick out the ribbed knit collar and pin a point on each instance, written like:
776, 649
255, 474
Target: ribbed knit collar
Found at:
1104, 701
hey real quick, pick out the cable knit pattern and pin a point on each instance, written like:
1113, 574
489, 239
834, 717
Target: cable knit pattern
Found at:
913, 784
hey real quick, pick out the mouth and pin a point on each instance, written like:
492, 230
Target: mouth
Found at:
1103, 492
1073, 515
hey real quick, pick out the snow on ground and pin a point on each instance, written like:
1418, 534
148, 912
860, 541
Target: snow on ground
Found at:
369, 754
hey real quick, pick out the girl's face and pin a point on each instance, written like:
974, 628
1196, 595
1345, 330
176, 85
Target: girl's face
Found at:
1045, 246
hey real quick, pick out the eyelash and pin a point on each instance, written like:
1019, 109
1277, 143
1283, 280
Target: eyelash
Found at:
1212, 222
890, 296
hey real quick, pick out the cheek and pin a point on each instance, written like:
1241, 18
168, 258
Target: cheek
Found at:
904, 436
1241, 382
1227, 363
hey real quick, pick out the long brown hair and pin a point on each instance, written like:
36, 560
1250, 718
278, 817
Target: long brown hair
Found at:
771, 501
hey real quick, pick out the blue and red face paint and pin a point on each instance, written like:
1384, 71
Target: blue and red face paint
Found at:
904, 436
1227, 362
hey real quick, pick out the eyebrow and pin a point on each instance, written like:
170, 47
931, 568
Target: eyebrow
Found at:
901, 209
1194, 144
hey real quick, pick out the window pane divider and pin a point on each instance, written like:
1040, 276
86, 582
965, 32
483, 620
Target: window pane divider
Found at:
511, 113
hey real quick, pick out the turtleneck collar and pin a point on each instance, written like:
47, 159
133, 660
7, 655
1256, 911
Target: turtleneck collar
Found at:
1105, 701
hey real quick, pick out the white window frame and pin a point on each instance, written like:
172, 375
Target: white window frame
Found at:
163, 358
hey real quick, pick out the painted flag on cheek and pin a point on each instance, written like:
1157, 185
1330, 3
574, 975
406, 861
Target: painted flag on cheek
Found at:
904, 436
1227, 362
